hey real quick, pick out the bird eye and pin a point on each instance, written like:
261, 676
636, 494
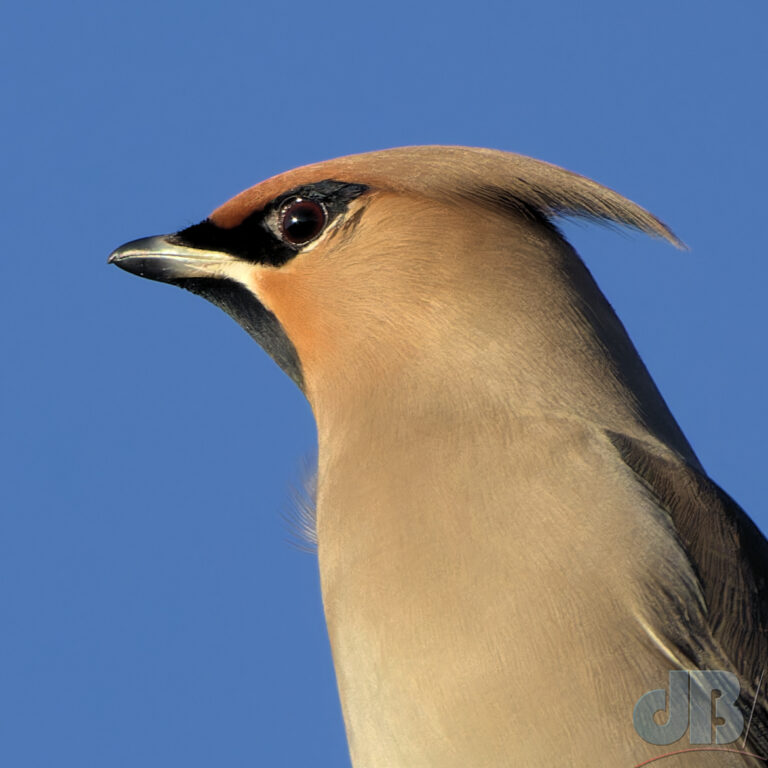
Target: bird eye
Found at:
301, 220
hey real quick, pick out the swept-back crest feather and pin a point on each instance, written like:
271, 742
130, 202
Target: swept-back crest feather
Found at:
486, 175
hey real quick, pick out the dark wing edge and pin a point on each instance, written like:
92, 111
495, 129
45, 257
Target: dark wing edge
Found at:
729, 555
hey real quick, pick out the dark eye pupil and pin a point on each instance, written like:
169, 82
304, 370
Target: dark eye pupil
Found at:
302, 221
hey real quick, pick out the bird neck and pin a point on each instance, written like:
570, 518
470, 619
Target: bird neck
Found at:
537, 341
455, 553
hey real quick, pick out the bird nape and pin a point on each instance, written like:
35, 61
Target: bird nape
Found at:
522, 560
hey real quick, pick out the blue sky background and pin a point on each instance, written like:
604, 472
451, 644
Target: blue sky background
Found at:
151, 613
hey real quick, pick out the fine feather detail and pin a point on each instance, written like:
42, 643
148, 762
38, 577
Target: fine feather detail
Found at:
300, 517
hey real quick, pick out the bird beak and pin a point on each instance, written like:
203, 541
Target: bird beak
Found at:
160, 258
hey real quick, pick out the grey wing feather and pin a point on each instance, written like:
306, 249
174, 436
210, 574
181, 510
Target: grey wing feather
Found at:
729, 555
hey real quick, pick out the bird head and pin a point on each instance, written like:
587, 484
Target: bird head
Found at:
418, 264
